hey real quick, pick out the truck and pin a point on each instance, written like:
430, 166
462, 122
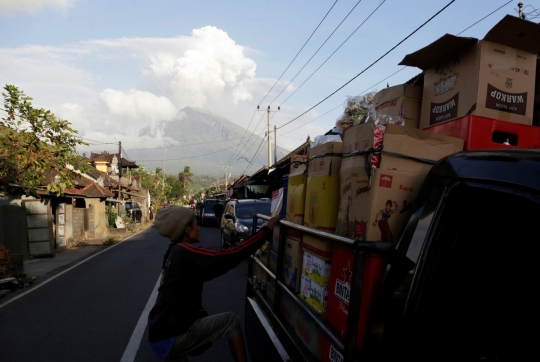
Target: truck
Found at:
457, 285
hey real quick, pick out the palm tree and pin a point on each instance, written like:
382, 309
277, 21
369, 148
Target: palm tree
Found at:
185, 177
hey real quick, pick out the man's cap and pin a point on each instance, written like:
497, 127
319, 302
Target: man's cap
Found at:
171, 221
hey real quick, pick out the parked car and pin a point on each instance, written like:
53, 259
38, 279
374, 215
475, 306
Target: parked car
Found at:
237, 221
207, 216
133, 210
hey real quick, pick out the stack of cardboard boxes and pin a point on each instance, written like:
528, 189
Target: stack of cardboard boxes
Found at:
482, 91
475, 95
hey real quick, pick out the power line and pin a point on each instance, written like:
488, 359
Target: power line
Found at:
299, 52
184, 158
391, 75
354, 7
239, 143
320, 66
485, 16
372, 64
341, 105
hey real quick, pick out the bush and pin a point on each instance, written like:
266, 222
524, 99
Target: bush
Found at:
109, 241
111, 216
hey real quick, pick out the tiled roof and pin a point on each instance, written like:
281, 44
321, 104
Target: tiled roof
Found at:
92, 191
108, 157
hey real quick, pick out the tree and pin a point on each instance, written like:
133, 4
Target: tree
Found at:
35, 144
185, 177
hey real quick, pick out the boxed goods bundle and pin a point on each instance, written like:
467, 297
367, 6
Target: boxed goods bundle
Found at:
393, 147
492, 78
381, 174
315, 295
309, 333
292, 264
402, 101
296, 198
376, 207
316, 268
322, 191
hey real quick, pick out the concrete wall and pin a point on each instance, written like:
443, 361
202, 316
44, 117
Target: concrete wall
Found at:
13, 225
13, 230
68, 232
100, 218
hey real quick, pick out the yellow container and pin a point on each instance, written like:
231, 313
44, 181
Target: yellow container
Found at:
322, 202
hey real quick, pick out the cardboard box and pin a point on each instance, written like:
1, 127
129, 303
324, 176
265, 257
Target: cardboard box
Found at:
403, 100
340, 291
493, 78
325, 159
317, 246
299, 165
322, 202
275, 238
292, 265
309, 333
397, 140
296, 198
272, 263
314, 295
376, 208
288, 308
315, 268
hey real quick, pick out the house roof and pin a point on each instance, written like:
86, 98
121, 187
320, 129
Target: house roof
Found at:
93, 190
108, 157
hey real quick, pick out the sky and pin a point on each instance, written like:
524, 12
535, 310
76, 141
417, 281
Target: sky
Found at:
114, 67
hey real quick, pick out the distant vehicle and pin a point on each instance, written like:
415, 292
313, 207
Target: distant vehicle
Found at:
133, 210
237, 219
207, 216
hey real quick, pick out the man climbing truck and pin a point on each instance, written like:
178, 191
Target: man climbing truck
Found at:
459, 283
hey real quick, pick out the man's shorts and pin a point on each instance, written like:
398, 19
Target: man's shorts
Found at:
204, 330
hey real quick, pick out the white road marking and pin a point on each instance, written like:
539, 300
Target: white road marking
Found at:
33, 288
135, 341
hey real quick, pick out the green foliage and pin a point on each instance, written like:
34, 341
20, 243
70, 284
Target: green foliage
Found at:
34, 144
109, 241
111, 216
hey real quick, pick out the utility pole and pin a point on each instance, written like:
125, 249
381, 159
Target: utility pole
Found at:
119, 172
275, 144
163, 188
226, 176
269, 134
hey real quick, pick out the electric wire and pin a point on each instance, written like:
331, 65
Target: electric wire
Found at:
327, 59
299, 51
485, 17
391, 75
185, 158
341, 105
316, 51
372, 64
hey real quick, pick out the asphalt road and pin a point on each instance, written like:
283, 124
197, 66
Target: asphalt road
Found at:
96, 311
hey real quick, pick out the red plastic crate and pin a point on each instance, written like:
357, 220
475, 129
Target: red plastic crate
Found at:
338, 306
482, 133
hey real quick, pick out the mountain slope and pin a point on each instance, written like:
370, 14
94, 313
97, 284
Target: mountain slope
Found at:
206, 142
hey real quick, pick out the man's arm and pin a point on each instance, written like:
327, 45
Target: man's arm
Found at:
215, 262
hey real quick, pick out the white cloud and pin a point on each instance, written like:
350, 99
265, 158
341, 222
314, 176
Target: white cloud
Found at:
31, 6
215, 67
137, 105
160, 76
48, 74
